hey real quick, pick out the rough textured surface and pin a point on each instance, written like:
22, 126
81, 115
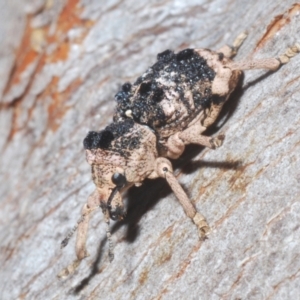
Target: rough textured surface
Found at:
63, 63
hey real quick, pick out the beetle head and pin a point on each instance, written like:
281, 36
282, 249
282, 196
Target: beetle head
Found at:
121, 155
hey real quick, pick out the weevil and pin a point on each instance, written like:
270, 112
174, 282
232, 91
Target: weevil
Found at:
165, 109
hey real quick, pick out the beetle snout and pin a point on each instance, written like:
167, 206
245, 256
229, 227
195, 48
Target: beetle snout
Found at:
114, 205
117, 213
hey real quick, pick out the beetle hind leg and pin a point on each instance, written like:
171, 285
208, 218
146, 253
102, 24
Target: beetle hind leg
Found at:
231, 51
271, 64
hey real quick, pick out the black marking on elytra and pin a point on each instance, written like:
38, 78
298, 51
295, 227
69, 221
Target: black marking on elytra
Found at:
172, 74
185, 54
126, 87
221, 56
216, 99
145, 88
165, 56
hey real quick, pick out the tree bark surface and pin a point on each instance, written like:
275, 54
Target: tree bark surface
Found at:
61, 64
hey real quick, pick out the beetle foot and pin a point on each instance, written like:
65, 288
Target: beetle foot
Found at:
203, 228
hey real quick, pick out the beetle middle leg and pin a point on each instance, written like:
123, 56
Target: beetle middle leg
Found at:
192, 135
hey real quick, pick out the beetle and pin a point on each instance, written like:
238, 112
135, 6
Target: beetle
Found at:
165, 109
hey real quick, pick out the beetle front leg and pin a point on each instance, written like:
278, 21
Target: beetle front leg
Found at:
164, 169
92, 203
82, 229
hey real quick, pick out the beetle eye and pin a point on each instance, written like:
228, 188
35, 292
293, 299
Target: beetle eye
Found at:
118, 179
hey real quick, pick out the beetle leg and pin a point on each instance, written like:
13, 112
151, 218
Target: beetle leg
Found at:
266, 63
92, 203
231, 51
164, 169
82, 228
191, 135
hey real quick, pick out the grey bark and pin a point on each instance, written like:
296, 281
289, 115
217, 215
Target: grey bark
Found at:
249, 189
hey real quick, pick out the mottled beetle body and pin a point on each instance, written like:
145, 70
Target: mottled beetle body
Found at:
180, 91
177, 91
166, 108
